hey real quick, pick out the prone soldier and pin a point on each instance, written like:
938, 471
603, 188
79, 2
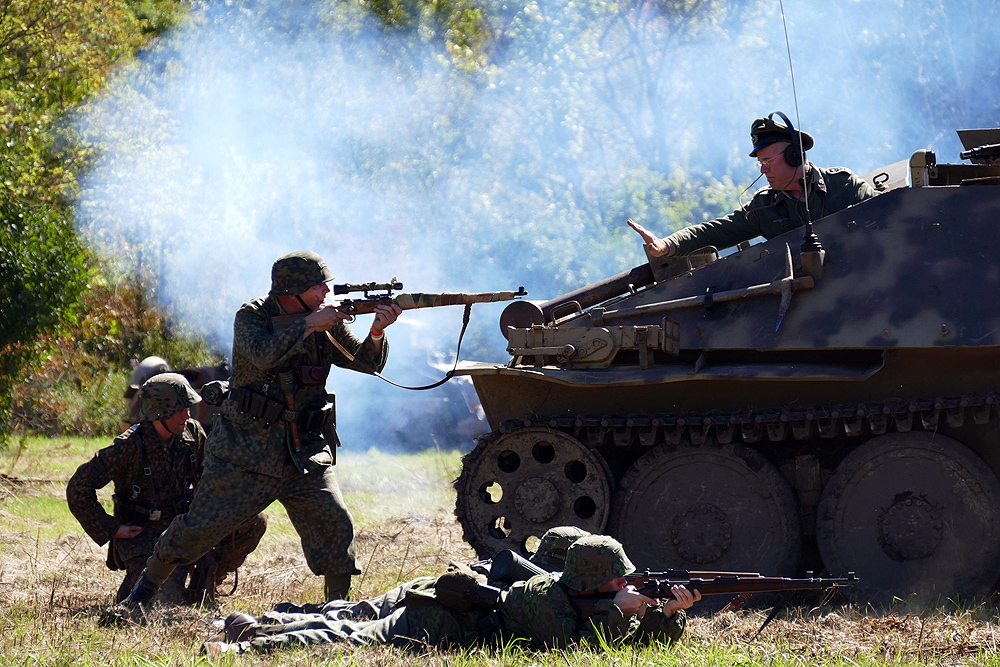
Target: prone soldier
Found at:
155, 466
449, 611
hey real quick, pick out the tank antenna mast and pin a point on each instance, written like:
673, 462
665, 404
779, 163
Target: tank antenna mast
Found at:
811, 251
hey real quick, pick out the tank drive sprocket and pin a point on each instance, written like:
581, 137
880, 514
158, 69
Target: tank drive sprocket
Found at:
515, 486
912, 513
707, 508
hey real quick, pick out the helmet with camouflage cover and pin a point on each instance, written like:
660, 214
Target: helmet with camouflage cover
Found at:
593, 561
164, 394
296, 272
551, 552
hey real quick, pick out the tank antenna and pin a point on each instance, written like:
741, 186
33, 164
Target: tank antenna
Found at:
811, 251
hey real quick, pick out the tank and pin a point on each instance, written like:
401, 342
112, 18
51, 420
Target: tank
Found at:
776, 410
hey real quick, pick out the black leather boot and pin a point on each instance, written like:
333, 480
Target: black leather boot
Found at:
130, 609
337, 587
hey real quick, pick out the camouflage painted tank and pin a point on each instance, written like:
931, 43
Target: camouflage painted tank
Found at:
746, 415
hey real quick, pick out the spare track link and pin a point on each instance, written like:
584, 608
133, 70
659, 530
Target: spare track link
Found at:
776, 425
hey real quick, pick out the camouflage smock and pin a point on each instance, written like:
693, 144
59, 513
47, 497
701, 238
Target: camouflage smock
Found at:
772, 212
174, 469
540, 610
257, 353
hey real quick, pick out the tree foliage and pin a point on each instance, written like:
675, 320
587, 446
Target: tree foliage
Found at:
53, 55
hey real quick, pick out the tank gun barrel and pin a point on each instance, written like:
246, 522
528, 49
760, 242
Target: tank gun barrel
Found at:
603, 290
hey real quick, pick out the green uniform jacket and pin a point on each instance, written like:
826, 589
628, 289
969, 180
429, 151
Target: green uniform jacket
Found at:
540, 610
772, 213
173, 470
259, 351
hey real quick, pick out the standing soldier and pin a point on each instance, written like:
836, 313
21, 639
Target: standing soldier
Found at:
274, 437
155, 466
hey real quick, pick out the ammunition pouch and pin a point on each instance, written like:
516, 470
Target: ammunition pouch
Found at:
257, 404
314, 421
313, 376
131, 513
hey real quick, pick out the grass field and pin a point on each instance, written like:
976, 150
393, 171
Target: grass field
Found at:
53, 583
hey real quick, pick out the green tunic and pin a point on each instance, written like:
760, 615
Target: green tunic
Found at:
249, 463
771, 212
540, 610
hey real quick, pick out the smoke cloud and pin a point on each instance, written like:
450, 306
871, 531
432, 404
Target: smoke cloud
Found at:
269, 126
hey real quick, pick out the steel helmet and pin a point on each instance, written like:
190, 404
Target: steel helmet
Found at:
164, 394
551, 552
593, 561
296, 272
146, 369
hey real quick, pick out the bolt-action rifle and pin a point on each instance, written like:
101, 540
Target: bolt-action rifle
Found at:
406, 301
725, 584
509, 566
376, 294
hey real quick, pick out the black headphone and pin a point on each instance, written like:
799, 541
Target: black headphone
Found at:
793, 156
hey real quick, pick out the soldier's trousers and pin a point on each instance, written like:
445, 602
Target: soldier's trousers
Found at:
392, 630
227, 495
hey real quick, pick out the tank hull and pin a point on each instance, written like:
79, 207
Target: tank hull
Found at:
752, 415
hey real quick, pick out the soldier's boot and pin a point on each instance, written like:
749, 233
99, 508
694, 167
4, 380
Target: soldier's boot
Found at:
337, 586
240, 627
131, 608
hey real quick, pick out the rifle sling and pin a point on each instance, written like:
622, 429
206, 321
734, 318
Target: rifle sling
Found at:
447, 376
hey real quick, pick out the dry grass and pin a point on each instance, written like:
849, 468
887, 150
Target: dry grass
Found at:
53, 583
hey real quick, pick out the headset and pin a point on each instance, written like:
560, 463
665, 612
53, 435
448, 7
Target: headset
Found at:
793, 154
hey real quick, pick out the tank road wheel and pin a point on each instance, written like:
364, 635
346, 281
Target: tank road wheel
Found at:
912, 513
707, 508
515, 487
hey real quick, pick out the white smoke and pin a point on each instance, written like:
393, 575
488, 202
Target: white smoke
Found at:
266, 127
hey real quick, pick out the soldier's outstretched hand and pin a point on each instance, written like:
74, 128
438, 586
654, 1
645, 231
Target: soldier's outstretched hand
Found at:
657, 247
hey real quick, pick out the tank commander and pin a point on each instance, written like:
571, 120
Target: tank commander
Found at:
155, 466
275, 436
539, 610
777, 208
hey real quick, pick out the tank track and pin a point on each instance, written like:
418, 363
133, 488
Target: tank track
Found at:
776, 425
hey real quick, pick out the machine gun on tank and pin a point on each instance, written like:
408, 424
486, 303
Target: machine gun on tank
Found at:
987, 154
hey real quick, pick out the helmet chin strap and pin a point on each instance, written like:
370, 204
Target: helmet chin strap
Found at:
303, 303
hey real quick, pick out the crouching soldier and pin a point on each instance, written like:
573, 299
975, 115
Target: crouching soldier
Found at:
155, 466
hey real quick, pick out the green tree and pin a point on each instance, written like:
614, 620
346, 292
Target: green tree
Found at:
53, 55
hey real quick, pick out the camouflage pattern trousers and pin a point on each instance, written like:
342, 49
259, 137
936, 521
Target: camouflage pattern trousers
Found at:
227, 495
131, 556
392, 630
418, 624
